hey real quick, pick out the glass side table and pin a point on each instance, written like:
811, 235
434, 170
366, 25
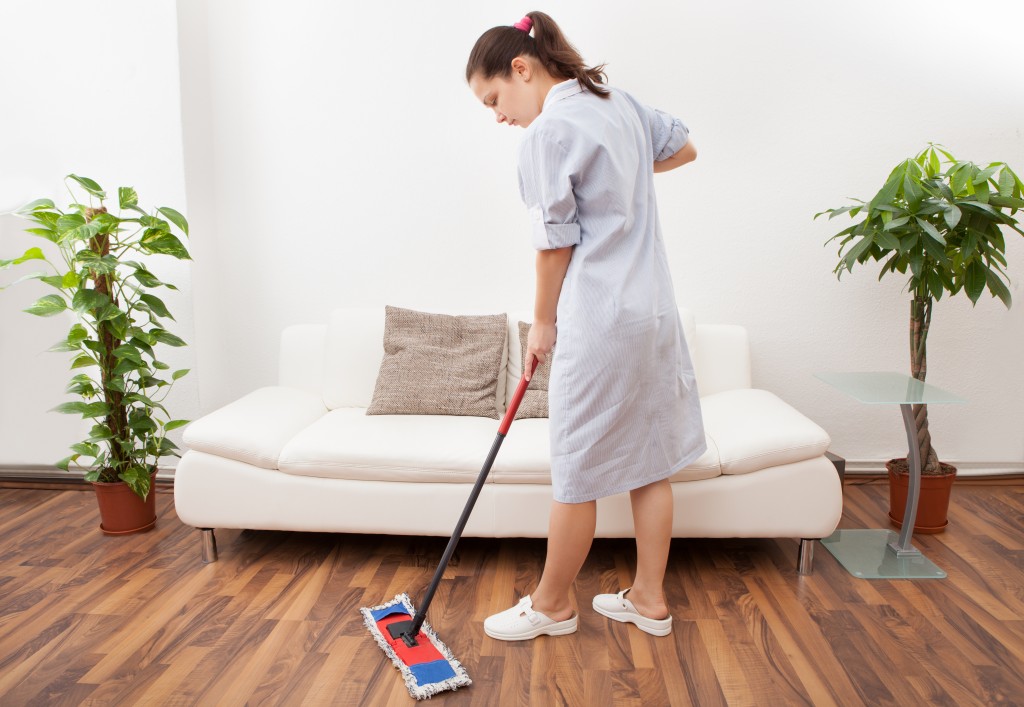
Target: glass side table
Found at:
880, 553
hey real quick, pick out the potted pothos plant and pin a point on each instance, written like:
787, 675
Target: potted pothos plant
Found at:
118, 325
942, 223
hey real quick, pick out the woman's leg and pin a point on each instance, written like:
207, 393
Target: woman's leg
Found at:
570, 534
652, 521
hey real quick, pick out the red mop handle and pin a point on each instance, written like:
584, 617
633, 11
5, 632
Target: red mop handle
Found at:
513, 405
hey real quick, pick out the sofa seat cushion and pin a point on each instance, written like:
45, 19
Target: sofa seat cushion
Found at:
348, 444
754, 429
525, 457
254, 429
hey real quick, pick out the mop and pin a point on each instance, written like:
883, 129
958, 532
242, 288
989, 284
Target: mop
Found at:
426, 663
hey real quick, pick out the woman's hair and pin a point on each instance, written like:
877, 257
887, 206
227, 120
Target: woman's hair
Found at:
493, 53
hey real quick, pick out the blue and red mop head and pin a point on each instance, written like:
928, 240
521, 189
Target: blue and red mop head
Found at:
428, 667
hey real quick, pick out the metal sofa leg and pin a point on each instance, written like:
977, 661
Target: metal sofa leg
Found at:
209, 545
805, 558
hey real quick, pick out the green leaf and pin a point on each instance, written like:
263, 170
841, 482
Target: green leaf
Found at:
145, 277
84, 409
912, 192
888, 192
31, 276
142, 424
887, 240
979, 206
99, 433
81, 233
70, 280
1006, 202
997, 287
931, 231
168, 338
896, 223
1006, 182
83, 361
960, 180
90, 186
127, 197
35, 206
154, 241
30, 254
48, 306
47, 233
138, 480
952, 216
86, 449
179, 374
974, 280
129, 353
78, 333
176, 218
87, 299
933, 163
984, 175
157, 305
175, 424
127, 367
936, 251
64, 345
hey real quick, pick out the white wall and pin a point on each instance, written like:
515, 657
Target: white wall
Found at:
90, 88
333, 155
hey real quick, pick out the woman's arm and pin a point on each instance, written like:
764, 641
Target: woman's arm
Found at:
551, 268
687, 153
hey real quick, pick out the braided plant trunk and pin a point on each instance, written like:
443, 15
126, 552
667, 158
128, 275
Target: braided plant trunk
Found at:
920, 321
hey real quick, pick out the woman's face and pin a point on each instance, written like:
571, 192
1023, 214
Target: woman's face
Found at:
515, 100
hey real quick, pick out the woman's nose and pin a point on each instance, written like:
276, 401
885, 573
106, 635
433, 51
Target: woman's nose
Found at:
501, 117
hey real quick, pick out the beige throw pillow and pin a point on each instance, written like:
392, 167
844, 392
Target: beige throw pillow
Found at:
535, 399
439, 364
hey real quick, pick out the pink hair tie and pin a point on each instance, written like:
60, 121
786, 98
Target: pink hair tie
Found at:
524, 24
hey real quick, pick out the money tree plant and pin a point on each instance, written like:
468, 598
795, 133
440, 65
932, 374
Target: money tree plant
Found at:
942, 223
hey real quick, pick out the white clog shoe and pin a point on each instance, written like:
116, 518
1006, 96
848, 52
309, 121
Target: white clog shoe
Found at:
619, 608
521, 623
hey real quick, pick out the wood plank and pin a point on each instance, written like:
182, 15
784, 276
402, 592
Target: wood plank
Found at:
87, 619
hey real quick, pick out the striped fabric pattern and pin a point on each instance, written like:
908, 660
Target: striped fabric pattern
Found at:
623, 402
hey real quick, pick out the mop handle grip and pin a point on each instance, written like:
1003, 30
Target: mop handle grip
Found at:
517, 398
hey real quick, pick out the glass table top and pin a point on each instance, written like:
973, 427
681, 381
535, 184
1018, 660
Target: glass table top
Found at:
881, 388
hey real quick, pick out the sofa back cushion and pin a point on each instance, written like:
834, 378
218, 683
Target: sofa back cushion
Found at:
354, 349
440, 364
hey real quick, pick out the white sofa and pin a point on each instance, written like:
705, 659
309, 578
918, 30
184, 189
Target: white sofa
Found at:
304, 456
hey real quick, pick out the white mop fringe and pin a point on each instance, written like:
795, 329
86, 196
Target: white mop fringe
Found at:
420, 692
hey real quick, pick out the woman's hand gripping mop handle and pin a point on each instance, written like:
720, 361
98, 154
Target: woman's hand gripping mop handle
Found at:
407, 630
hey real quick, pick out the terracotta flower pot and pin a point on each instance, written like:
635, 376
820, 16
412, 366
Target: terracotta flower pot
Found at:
933, 501
122, 512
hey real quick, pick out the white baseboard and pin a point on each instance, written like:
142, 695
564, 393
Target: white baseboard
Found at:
45, 472
872, 467
965, 469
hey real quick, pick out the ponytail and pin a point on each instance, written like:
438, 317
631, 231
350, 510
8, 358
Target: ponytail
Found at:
493, 53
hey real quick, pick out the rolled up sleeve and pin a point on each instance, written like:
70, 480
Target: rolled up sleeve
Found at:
668, 133
546, 177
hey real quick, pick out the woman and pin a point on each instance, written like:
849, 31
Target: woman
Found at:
623, 404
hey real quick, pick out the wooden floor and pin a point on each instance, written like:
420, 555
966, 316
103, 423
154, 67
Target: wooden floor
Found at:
91, 620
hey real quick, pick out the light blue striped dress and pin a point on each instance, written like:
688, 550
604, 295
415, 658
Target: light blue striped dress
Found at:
623, 403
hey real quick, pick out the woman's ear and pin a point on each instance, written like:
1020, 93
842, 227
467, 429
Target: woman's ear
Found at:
521, 67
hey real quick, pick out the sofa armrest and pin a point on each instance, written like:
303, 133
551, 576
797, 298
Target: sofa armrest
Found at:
254, 429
